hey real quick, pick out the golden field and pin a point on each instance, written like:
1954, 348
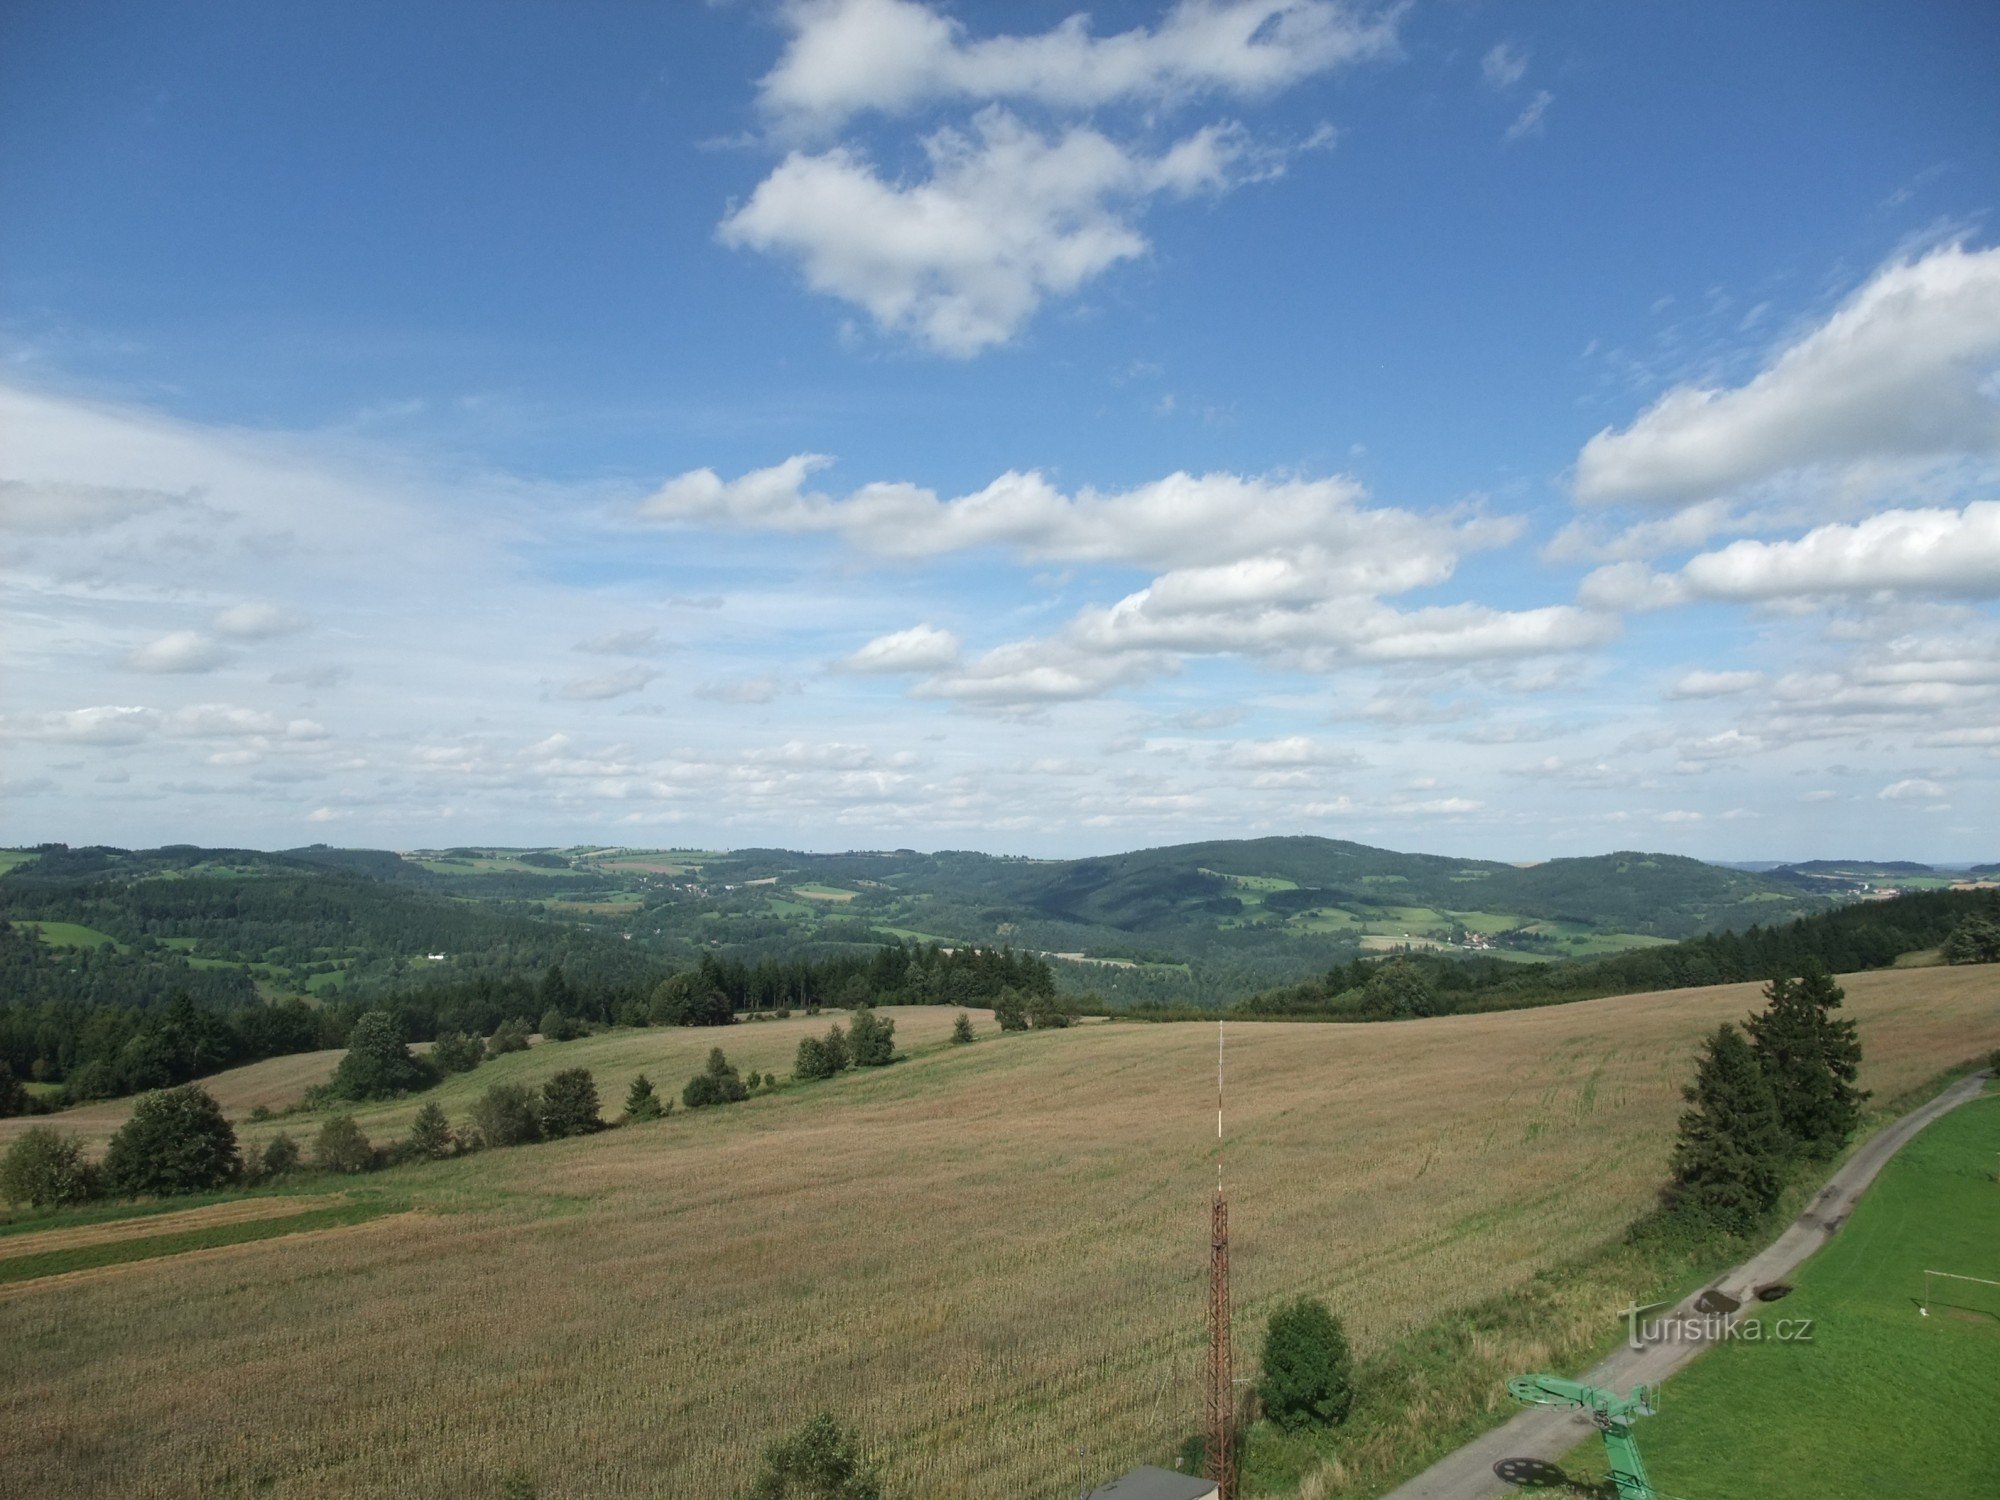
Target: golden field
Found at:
984, 1256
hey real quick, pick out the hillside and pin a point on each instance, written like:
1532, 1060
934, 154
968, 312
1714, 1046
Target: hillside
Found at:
638, 1313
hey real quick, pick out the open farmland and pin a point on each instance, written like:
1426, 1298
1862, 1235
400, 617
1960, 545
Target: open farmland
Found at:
984, 1256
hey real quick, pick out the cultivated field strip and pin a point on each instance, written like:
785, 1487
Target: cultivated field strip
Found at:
148, 1226
985, 1257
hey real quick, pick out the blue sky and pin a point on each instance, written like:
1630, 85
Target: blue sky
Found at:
1507, 430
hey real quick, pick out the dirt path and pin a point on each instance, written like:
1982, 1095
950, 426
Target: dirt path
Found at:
1542, 1435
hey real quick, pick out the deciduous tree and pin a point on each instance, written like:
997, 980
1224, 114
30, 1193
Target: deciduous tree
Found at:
176, 1141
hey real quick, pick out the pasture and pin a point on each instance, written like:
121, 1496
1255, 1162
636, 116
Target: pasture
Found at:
984, 1256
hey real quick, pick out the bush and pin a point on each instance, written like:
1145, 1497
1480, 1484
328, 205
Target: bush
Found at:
642, 1102
176, 1142
569, 1104
44, 1168
455, 1052
872, 1038
837, 1050
508, 1036
379, 1064
341, 1147
822, 1461
505, 1115
558, 1027
961, 1030
281, 1156
812, 1062
1308, 1370
430, 1133
1047, 1013
718, 1083
1010, 1011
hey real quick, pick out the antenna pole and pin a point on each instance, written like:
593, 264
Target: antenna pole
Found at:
1221, 1388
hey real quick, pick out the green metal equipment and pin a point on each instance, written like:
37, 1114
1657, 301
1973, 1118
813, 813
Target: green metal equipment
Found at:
1613, 1415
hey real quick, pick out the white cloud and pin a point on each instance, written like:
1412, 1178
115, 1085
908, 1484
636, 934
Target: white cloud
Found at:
1504, 65
1955, 553
62, 509
602, 685
256, 622
1901, 369
178, 651
1911, 789
921, 648
846, 56
638, 640
108, 724
224, 720
1005, 218
741, 690
1533, 117
1700, 684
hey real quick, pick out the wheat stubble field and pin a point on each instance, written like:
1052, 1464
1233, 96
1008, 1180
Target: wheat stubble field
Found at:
984, 1256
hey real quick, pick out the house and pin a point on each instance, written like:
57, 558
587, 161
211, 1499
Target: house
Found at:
1149, 1483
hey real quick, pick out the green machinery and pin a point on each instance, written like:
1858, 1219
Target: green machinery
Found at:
1613, 1415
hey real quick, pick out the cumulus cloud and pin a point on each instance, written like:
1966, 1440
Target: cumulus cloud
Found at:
1911, 789
178, 651
1006, 217
847, 56
921, 648
1903, 368
1945, 552
108, 724
1700, 684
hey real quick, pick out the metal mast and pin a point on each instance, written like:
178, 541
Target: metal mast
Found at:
1221, 1388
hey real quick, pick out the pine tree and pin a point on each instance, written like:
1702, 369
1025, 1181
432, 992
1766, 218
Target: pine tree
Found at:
569, 1104
1811, 1059
430, 1133
641, 1102
1729, 1160
961, 1030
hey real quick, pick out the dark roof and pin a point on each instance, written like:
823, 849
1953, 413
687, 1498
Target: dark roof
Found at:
1149, 1483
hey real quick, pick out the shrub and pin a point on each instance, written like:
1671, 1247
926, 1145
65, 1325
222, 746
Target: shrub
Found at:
379, 1064
508, 1036
341, 1147
961, 1030
718, 1083
559, 1027
455, 1052
642, 1102
430, 1133
837, 1050
505, 1115
176, 1142
872, 1038
1010, 1011
1047, 1013
812, 1061
569, 1104
822, 1461
45, 1168
1308, 1370
281, 1156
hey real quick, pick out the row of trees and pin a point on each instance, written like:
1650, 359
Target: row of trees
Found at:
1765, 1099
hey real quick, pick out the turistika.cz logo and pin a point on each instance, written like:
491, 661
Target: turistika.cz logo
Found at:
1643, 1332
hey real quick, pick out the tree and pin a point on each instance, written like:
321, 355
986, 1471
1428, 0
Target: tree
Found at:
642, 1103
872, 1039
341, 1147
569, 1104
1730, 1157
430, 1133
822, 1461
505, 1115
1308, 1369
1811, 1060
378, 1064
560, 1027
812, 1062
838, 1055
718, 1083
691, 999
961, 1030
13, 1098
175, 1142
508, 1036
44, 1168
1010, 1010
1398, 988
455, 1052
1976, 940
1048, 1013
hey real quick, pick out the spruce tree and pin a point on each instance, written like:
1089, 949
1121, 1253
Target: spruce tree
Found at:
569, 1104
1811, 1059
430, 1133
1729, 1160
961, 1030
641, 1101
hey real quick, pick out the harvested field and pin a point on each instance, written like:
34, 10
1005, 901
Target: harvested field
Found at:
984, 1256
142, 1226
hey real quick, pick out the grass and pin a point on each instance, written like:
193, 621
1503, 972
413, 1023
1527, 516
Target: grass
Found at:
70, 935
123, 1250
1881, 1400
983, 1256
12, 859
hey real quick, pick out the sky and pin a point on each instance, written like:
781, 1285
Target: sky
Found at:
1510, 431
